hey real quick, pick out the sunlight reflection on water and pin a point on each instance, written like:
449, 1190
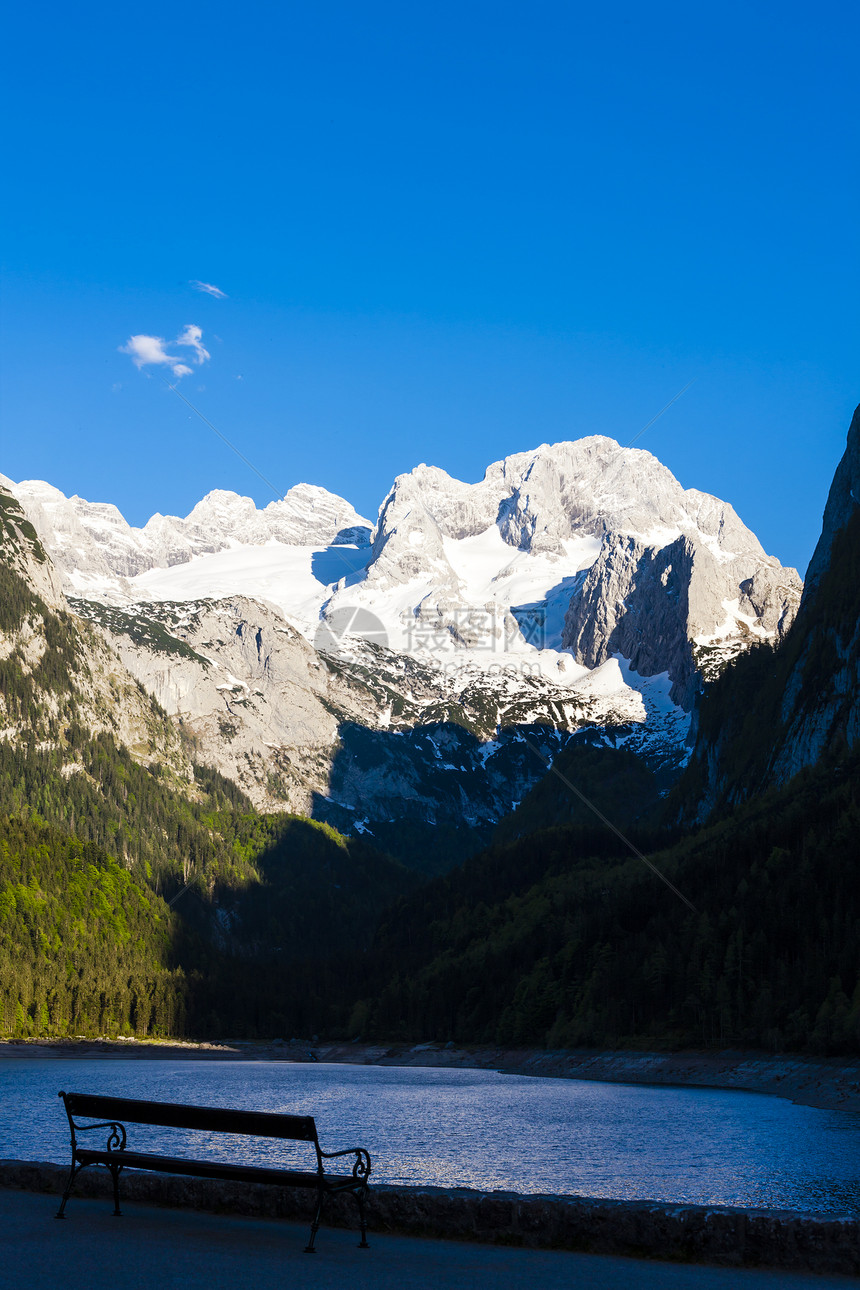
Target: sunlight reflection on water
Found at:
478, 1129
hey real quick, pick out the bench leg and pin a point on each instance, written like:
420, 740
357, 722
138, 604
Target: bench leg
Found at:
117, 1212
73, 1173
363, 1245
315, 1225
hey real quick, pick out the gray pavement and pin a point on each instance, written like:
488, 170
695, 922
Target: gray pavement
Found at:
151, 1247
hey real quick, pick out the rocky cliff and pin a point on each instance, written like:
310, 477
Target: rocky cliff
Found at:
658, 606
772, 715
59, 671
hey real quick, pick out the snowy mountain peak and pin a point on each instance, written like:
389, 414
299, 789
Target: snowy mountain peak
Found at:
564, 556
556, 492
542, 499
221, 503
92, 543
501, 563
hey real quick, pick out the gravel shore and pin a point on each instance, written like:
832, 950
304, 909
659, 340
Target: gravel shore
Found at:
832, 1083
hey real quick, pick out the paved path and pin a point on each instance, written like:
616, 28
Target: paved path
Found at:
160, 1249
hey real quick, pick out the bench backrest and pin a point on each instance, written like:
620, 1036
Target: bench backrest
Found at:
214, 1119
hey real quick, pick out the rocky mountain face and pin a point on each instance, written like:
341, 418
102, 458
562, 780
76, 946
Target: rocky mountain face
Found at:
426, 670
363, 738
616, 534
843, 502
658, 606
773, 715
820, 708
59, 672
248, 687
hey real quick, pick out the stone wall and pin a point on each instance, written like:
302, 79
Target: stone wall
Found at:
641, 1229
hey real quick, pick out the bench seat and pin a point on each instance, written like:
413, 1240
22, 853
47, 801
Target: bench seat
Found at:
214, 1169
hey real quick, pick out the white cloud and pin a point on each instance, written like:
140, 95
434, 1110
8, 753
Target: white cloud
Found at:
210, 289
145, 351
192, 338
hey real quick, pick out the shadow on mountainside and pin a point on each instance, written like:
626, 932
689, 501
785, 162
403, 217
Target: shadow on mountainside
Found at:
436, 794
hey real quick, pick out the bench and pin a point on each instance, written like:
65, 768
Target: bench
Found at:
113, 1113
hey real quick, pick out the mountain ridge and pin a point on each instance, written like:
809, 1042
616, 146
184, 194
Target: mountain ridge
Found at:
528, 598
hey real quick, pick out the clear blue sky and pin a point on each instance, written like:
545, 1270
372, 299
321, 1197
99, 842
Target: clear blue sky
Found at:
446, 233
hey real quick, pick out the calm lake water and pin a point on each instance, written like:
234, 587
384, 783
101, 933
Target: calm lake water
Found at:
478, 1129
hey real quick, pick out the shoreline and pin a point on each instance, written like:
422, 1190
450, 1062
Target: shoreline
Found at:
695, 1235
828, 1083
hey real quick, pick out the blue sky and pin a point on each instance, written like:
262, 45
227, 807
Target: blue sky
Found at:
444, 233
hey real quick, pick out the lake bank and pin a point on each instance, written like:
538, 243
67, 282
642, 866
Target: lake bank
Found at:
830, 1083
165, 1241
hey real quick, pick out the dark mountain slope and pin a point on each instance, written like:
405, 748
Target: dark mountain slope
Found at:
615, 781
772, 714
560, 940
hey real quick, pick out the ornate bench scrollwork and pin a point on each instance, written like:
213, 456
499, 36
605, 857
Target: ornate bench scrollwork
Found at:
116, 1140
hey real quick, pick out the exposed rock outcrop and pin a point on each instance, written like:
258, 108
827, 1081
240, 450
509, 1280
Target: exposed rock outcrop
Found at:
843, 502
63, 665
654, 605
780, 714
261, 702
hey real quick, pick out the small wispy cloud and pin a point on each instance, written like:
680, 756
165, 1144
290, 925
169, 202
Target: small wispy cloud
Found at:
192, 338
146, 351
210, 289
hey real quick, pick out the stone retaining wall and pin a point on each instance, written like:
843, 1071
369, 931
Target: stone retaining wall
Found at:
642, 1229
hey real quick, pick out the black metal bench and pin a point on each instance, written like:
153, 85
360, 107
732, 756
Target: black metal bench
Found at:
113, 1113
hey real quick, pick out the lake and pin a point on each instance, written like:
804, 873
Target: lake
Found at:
477, 1128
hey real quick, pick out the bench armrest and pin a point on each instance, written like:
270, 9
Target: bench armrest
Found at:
361, 1166
115, 1140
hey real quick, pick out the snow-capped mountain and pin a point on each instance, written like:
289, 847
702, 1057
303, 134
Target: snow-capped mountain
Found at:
575, 551
575, 586
93, 546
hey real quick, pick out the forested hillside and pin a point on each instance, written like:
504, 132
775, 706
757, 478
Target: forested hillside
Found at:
84, 947
564, 939
255, 941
